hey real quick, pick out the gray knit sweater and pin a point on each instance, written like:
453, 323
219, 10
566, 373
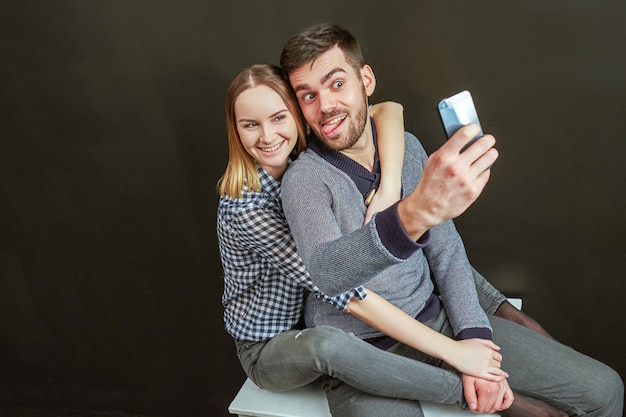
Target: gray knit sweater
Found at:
325, 211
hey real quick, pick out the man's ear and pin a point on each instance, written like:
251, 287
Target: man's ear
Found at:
369, 80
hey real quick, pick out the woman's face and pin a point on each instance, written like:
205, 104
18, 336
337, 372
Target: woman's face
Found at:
267, 129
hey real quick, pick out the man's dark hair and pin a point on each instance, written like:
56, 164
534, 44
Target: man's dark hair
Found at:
308, 45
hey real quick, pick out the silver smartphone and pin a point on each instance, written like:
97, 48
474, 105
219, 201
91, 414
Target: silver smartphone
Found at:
458, 111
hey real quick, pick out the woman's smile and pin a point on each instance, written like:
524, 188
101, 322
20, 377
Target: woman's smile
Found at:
272, 148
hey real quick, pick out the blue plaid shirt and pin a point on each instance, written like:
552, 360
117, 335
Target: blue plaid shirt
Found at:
264, 277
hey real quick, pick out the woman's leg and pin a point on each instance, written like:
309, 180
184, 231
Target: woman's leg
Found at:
298, 357
346, 401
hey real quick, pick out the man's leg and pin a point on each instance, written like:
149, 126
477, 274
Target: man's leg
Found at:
494, 303
548, 371
489, 297
298, 357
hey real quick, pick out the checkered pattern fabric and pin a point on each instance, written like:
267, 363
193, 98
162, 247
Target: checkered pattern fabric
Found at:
264, 278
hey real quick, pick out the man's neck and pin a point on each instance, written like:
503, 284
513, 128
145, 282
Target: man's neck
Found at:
364, 150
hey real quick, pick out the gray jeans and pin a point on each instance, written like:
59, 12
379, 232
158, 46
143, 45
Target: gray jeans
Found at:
538, 367
367, 381
298, 357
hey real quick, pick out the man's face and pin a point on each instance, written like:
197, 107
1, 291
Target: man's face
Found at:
333, 98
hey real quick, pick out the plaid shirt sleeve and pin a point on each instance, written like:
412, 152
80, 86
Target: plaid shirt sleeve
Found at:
267, 233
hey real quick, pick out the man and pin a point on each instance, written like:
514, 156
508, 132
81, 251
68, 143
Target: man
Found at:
410, 253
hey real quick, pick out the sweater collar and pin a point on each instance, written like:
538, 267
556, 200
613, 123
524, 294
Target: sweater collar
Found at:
345, 163
364, 180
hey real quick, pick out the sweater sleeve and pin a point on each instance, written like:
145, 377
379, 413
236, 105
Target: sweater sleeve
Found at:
452, 274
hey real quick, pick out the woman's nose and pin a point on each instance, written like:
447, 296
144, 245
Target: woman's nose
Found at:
267, 135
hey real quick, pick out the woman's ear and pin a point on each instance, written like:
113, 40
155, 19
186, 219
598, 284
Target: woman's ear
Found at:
369, 80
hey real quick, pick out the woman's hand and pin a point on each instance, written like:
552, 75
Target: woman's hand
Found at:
383, 198
479, 358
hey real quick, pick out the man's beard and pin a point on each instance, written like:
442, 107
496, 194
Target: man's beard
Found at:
355, 130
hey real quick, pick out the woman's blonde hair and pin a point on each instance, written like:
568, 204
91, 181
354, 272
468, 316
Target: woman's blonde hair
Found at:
241, 170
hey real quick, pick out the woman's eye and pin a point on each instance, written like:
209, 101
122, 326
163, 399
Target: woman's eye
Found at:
249, 125
280, 117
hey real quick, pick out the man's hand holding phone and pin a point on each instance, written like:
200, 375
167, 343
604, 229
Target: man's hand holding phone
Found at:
458, 111
453, 178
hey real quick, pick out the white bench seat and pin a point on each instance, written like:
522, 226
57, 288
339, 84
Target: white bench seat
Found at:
310, 401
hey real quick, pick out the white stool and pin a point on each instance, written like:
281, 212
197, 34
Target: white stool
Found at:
310, 401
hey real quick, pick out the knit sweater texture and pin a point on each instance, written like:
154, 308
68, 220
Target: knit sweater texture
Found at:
325, 212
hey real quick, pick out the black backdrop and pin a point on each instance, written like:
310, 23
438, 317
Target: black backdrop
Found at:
113, 138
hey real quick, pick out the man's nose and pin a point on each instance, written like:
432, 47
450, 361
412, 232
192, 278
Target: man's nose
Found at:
326, 101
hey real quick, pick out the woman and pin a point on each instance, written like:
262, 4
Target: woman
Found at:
265, 280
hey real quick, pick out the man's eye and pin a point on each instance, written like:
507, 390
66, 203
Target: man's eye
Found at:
337, 84
308, 97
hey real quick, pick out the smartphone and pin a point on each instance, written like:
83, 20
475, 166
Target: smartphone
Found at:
458, 111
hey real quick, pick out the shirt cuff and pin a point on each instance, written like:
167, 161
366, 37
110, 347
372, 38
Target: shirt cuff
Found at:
394, 237
359, 293
474, 333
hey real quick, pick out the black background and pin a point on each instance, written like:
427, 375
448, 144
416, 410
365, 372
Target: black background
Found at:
113, 138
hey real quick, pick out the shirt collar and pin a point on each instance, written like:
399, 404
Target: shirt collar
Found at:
269, 185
